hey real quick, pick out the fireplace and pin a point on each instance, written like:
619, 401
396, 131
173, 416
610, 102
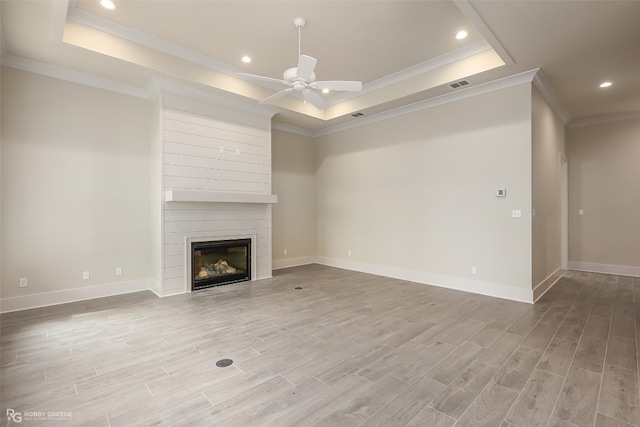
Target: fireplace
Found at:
220, 262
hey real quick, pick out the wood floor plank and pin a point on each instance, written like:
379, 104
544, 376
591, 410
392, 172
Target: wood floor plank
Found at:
579, 397
525, 324
490, 407
516, 371
621, 352
390, 360
457, 397
269, 410
535, 404
604, 421
448, 369
590, 354
540, 336
351, 365
597, 327
557, 358
315, 409
419, 365
488, 334
500, 350
619, 397
355, 410
466, 329
623, 325
432, 418
571, 329
247, 399
402, 409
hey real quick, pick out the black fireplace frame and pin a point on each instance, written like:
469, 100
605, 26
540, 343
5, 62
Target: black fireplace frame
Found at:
219, 280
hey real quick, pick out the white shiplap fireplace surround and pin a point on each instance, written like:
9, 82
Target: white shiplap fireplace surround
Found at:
211, 180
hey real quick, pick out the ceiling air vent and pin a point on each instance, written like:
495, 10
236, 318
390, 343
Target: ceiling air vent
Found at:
459, 83
358, 114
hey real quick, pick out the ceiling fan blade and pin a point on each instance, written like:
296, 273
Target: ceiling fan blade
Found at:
276, 95
263, 78
306, 65
340, 85
315, 99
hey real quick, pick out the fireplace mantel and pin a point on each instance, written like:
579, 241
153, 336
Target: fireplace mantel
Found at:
216, 197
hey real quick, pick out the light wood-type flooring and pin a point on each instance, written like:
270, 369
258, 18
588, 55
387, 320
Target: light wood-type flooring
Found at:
348, 349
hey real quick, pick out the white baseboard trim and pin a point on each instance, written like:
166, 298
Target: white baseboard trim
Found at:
293, 262
621, 270
456, 283
154, 286
548, 283
73, 295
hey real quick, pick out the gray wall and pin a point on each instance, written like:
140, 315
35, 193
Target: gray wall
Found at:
414, 196
75, 185
604, 181
294, 216
547, 148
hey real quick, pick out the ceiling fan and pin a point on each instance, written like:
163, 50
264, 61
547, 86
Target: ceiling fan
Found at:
303, 79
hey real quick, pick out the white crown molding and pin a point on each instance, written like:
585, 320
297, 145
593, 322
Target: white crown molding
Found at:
604, 118
516, 79
476, 20
416, 70
156, 86
543, 85
73, 76
292, 129
150, 41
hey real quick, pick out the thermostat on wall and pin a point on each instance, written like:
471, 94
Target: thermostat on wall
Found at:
501, 192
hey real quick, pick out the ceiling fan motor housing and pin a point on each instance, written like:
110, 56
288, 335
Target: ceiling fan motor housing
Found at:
291, 75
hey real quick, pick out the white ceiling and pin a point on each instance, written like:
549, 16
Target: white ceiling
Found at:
403, 51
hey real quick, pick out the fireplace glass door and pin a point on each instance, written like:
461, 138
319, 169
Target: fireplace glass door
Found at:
220, 262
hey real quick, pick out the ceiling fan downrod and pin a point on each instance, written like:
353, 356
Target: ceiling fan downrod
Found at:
299, 23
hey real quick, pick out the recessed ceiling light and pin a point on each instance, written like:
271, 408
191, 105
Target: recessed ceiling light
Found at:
108, 4
325, 90
605, 84
461, 34
246, 59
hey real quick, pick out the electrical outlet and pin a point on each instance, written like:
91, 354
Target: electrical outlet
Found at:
285, 251
24, 282
221, 149
349, 252
85, 275
581, 212
118, 271
516, 213
237, 151
474, 270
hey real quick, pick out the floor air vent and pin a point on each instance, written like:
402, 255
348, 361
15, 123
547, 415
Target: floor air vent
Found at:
358, 114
